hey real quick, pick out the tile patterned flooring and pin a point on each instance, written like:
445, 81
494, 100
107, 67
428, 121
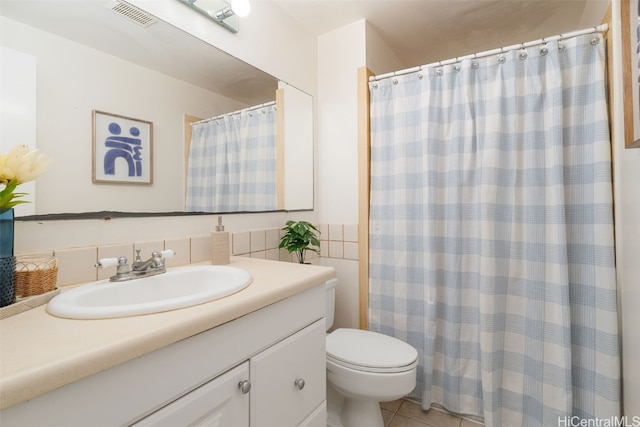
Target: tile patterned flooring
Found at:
405, 413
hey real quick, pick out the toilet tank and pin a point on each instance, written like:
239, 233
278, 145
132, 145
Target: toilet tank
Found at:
330, 286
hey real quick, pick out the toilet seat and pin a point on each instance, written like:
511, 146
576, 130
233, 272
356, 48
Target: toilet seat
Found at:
370, 351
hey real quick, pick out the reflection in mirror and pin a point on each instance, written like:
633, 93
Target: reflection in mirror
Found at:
252, 160
232, 162
89, 58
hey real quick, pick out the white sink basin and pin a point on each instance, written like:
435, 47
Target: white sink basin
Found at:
177, 288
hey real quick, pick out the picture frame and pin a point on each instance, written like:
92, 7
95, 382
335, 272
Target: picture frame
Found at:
629, 15
122, 149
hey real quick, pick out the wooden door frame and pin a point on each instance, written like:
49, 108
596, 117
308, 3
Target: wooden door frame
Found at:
364, 181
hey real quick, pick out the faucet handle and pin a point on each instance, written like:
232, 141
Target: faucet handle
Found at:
106, 262
138, 259
169, 253
123, 267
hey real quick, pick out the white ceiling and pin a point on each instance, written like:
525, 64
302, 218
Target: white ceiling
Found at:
425, 31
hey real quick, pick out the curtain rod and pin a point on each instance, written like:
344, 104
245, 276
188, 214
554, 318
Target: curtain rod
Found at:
255, 107
598, 29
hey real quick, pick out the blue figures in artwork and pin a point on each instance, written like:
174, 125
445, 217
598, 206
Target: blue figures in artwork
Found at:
125, 147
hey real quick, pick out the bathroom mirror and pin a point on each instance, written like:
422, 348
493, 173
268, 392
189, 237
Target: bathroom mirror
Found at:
91, 57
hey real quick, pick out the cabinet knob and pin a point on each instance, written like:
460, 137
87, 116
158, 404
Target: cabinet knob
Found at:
299, 383
244, 386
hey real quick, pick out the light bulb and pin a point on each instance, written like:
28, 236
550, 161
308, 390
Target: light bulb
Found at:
240, 7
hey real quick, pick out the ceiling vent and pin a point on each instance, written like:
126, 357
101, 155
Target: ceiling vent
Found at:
131, 12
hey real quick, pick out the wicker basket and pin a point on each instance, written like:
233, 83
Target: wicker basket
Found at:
35, 275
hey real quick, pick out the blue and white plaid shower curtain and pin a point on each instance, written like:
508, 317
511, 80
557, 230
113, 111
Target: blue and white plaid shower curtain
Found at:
491, 236
232, 163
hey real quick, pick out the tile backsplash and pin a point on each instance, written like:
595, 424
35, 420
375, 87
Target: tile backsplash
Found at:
339, 241
76, 265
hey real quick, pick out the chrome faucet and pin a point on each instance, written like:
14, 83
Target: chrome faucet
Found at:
151, 267
156, 262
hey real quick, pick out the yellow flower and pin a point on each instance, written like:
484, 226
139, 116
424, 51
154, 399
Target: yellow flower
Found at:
20, 165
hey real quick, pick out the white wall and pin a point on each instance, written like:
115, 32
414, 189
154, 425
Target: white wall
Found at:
380, 58
626, 164
340, 54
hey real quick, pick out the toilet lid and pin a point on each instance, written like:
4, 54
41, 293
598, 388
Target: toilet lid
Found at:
368, 349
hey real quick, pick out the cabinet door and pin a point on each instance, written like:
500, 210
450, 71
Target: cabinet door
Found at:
218, 403
317, 418
288, 379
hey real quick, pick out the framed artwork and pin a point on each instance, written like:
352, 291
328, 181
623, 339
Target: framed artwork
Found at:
631, 71
122, 149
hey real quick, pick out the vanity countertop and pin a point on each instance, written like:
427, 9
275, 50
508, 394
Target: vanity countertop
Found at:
40, 352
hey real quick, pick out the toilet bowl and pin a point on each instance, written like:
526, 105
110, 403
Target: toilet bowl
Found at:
364, 368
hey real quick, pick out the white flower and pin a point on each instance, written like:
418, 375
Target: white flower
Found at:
20, 165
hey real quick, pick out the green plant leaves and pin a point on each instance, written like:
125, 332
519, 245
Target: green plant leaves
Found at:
8, 196
300, 236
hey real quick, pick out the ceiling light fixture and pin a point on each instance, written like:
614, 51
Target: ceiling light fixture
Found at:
241, 7
221, 11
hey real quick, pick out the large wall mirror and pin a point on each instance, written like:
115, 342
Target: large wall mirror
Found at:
91, 57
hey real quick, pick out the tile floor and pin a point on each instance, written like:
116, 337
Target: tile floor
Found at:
405, 413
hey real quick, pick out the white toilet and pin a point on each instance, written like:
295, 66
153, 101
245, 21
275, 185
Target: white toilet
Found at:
364, 368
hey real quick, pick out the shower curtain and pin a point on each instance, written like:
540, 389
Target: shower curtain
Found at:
232, 163
491, 233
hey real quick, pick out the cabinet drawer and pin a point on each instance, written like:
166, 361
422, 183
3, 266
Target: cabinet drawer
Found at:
216, 403
278, 397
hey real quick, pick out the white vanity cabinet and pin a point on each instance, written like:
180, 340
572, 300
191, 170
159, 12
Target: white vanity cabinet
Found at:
197, 381
286, 382
220, 402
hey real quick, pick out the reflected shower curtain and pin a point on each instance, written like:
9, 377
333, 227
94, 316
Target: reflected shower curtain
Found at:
491, 234
232, 163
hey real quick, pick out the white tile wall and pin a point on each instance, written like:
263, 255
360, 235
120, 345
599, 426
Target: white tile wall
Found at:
350, 250
200, 248
339, 241
336, 249
272, 238
350, 232
258, 240
182, 247
335, 232
241, 243
76, 265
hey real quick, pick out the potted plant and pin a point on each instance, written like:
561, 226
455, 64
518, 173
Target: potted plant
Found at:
300, 237
18, 166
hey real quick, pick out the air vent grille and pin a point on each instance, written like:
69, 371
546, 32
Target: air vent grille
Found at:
131, 12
